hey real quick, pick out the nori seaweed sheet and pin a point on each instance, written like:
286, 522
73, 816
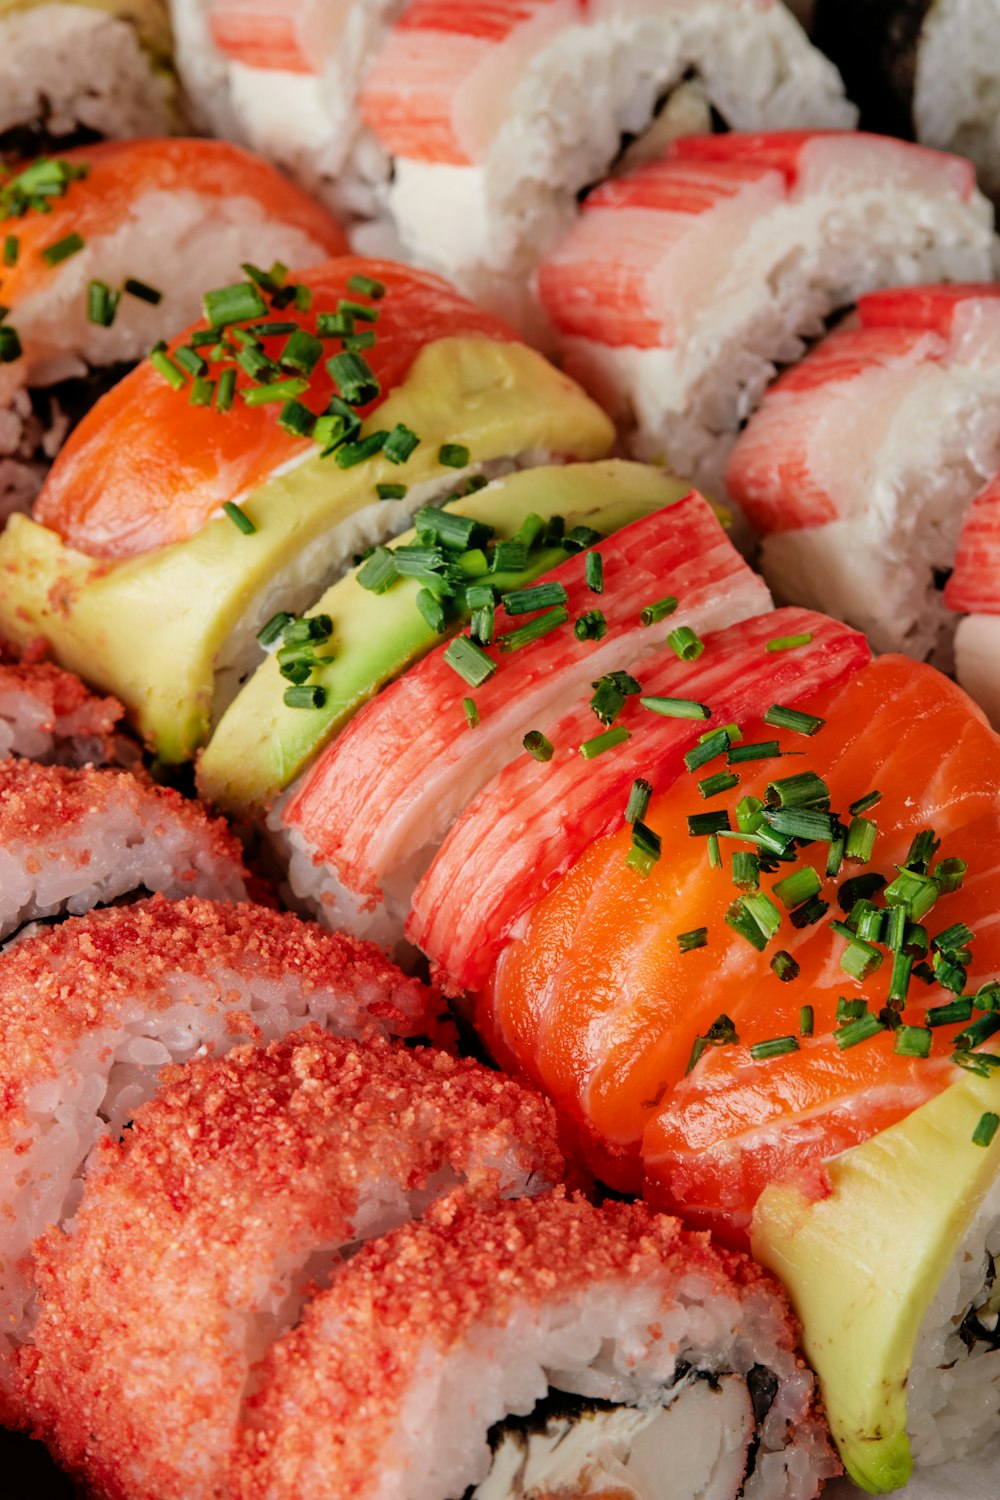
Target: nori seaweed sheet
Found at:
875, 43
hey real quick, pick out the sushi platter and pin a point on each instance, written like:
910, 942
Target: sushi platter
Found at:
500, 749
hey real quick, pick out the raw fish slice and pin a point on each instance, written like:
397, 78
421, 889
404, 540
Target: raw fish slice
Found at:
532, 822
676, 303
861, 459
381, 799
92, 1010
229, 1203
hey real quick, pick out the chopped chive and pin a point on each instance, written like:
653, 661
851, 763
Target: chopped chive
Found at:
483, 623
225, 391
469, 661
956, 1011
358, 311
190, 360
509, 557
789, 642
916, 892
272, 632
685, 644
638, 800
239, 518
378, 572
733, 733
986, 1129
807, 1020
835, 853
802, 823
956, 936
353, 342
432, 610
609, 740
743, 922
334, 325
311, 696
269, 281
780, 717
859, 958
254, 362
860, 841
687, 942
70, 244
800, 886
591, 626
864, 803
722, 781
350, 454
850, 1010
895, 928
979, 1032
913, 1041
281, 390
459, 533
858, 887
302, 351
987, 997
453, 455
610, 693
857, 1031
164, 365
202, 392
11, 248
531, 527
922, 850
536, 596
746, 870
594, 572
677, 708
645, 849
764, 912
400, 443
142, 290
651, 614
102, 303
869, 927
310, 629
390, 491
809, 913
700, 824
472, 563
534, 630
537, 745
233, 304
983, 1064
579, 538
949, 875
717, 743
778, 1046
749, 814
804, 789
366, 286
785, 967
354, 377
714, 852
471, 712
259, 331
296, 419
764, 750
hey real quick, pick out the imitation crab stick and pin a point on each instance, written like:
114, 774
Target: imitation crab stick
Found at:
974, 588
862, 459
380, 800
531, 823
684, 283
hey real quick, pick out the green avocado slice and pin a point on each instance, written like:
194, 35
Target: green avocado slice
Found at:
261, 745
155, 629
862, 1264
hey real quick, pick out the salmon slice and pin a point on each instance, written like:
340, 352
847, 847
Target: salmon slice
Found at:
533, 821
121, 173
594, 1001
439, 85
380, 800
145, 468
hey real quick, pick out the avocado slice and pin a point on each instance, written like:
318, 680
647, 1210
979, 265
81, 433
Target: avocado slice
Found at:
155, 629
862, 1265
261, 745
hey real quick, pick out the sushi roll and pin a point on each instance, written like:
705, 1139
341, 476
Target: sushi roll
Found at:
544, 1348
497, 117
365, 822
922, 68
684, 284
76, 71
108, 249
227, 1206
283, 76
74, 838
240, 471
974, 589
47, 714
861, 461
91, 1011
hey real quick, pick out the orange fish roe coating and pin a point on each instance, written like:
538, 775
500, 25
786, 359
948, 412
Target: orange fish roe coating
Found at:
62, 706
327, 1407
195, 1225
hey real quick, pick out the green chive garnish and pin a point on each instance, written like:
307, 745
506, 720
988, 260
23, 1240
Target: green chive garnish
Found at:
312, 695
745, 924
789, 642
469, 661
979, 1032
857, 1031
809, 913
714, 852
238, 303
685, 644
432, 610
949, 875
390, 491
646, 846
805, 789
102, 303
958, 1011
722, 781
239, 518
687, 942
763, 750
913, 1041
366, 286
534, 630
471, 712
594, 572
273, 631
225, 391
202, 392
860, 841
700, 824
986, 1129
459, 533
400, 443
746, 870
579, 538
453, 455
864, 803
357, 341
70, 244
509, 557
638, 800
354, 377
11, 248
591, 626
610, 693
778, 1046
190, 360
807, 1020
536, 596
922, 850
916, 892
134, 288
281, 390
802, 823
360, 312
348, 455
164, 365
677, 708
651, 614
749, 814
800, 886
835, 853
716, 743
302, 351
538, 746
785, 968
780, 717
611, 738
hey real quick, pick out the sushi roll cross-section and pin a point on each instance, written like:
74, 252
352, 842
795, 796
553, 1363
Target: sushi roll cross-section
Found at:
685, 284
106, 250
240, 470
47, 714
